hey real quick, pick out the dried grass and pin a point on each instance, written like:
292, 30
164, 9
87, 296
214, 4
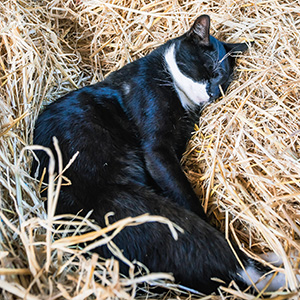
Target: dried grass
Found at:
243, 159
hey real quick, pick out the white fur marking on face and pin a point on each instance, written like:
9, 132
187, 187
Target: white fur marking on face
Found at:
277, 283
190, 92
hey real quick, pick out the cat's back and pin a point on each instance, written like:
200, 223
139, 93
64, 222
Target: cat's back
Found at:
88, 109
91, 121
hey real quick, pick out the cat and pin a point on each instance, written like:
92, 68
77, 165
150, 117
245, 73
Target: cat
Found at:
131, 130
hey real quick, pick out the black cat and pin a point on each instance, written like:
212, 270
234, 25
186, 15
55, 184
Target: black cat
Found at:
130, 131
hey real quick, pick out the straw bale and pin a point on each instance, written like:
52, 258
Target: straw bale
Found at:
243, 158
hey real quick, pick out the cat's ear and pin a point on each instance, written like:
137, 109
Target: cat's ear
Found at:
199, 31
239, 47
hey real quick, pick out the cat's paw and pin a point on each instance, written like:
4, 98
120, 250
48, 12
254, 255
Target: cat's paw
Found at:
252, 274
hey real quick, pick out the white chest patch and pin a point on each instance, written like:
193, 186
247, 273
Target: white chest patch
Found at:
190, 92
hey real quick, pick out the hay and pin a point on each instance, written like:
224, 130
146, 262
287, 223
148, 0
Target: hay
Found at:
243, 159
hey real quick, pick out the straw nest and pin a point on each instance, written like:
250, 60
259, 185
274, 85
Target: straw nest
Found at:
243, 158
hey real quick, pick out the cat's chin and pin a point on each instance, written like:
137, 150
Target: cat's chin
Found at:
189, 103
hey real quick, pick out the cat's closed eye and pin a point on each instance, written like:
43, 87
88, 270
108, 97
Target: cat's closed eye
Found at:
211, 70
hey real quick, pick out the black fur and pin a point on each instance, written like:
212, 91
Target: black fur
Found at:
130, 131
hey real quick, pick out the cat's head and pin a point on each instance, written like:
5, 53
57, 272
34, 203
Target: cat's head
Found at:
200, 64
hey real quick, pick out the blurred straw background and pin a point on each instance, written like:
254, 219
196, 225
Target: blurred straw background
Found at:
243, 158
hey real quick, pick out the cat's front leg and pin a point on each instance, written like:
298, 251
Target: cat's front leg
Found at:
164, 167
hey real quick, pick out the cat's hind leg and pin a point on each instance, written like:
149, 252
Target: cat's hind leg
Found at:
200, 254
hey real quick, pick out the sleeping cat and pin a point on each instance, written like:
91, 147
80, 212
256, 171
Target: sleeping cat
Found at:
131, 130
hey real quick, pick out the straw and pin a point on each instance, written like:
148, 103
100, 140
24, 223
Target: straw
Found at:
242, 160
